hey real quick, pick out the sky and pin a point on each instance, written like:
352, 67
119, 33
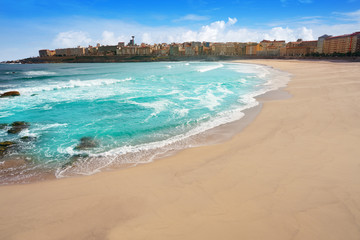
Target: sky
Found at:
27, 26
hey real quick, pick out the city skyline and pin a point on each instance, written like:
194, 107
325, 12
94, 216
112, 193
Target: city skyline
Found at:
28, 26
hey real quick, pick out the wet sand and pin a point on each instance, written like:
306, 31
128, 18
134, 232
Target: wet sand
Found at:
292, 173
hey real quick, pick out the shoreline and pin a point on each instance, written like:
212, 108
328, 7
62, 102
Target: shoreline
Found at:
290, 174
212, 136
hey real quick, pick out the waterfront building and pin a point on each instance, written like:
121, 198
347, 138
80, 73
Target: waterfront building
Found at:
270, 48
107, 50
79, 51
349, 43
132, 41
301, 48
320, 43
91, 51
46, 53
252, 48
174, 49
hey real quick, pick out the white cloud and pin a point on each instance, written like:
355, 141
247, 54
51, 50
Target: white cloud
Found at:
71, 39
218, 31
350, 16
109, 38
192, 17
221, 31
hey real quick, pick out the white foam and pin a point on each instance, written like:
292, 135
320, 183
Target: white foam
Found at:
278, 79
47, 107
145, 152
209, 67
72, 84
210, 100
38, 73
158, 106
5, 114
181, 112
222, 89
48, 126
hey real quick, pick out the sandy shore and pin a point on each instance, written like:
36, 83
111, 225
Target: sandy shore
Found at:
293, 173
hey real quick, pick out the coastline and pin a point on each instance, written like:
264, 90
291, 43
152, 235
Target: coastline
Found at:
220, 129
290, 174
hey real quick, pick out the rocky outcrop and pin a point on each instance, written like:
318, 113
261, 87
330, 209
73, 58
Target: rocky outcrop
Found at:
5, 147
86, 143
17, 127
10, 94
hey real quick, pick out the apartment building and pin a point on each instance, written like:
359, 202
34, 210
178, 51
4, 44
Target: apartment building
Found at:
342, 44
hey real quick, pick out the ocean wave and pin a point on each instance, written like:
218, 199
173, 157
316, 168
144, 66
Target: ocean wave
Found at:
209, 67
158, 106
72, 84
5, 114
145, 153
195, 107
38, 73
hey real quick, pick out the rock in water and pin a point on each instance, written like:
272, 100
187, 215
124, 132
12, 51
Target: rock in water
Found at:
86, 143
10, 94
17, 127
27, 139
3, 125
73, 160
5, 146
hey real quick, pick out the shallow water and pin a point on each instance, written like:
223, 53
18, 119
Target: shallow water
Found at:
132, 111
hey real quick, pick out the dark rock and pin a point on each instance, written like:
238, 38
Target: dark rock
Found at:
3, 125
17, 127
86, 143
6, 144
27, 139
5, 147
10, 94
72, 160
34, 94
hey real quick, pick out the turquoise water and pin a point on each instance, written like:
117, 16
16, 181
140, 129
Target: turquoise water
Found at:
131, 110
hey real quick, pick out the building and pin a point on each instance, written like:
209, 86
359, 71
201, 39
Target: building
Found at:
174, 49
132, 41
252, 48
320, 43
349, 43
46, 53
79, 51
91, 51
270, 48
107, 50
301, 48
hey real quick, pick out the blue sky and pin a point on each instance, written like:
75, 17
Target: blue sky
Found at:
29, 25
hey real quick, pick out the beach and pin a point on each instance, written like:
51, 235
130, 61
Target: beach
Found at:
292, 173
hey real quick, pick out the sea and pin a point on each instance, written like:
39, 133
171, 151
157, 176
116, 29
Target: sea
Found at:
90, 117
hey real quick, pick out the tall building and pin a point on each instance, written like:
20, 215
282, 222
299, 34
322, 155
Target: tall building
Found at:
342, 44
132, 41
320, 43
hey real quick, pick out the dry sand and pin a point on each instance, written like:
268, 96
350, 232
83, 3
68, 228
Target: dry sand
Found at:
293, 173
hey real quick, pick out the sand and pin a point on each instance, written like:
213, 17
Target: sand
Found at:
293, 173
